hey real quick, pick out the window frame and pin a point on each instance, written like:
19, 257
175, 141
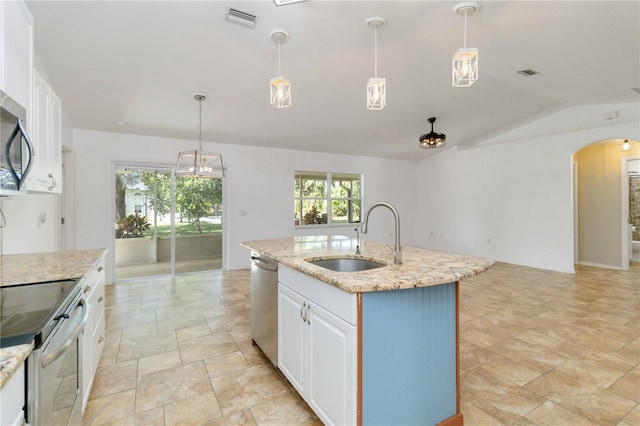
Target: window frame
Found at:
328, 199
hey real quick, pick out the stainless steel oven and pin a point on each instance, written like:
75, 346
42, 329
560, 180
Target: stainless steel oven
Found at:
52, 315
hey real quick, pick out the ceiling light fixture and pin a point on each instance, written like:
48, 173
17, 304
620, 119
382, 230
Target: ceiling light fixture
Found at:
199, 163
280, 87
465, 60
285, 2
376, 90
626, 145
432, 139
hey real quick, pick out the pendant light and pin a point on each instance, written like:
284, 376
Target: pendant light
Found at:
432, 139
280, 88
199, 163
465, 60
376, 90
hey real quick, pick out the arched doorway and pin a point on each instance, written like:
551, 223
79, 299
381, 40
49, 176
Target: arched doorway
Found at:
601, 204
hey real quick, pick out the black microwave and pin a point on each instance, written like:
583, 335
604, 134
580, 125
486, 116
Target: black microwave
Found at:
16, 151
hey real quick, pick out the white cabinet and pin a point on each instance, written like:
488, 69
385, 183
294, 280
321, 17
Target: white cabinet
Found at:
12, 399
16, 51
93, 339
46, 137
317, 344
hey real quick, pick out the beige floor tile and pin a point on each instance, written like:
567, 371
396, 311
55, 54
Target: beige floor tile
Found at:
114, 378
158, 362
552, 414
285, 409
193, 332
206, 347
198, 410
224, 364
174, 384
473, 416
153, 417
111, 407
142, 346
180, 320
240, 418
144, 330
249, 387
497, 397
582, 397
632, 418
628, 385
511, 371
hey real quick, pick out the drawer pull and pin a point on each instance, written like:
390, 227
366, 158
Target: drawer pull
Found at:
100, 268
86, 289
100, 299
101, 339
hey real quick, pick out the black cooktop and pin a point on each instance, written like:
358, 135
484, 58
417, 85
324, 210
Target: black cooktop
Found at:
29, 312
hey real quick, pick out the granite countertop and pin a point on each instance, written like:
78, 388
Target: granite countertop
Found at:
33, 268
51, 266
10, 359
420, 268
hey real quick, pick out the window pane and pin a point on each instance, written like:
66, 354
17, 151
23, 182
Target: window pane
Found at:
345, 185
314, 188
345, 211
314, 212
296, 213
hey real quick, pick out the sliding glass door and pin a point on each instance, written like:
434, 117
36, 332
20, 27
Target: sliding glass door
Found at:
165, 225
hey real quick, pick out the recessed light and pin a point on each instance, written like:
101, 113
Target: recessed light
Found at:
119, 123
284, 2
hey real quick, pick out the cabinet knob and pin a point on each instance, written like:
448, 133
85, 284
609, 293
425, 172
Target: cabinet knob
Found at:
86, 289
100, 268
100, 299
101, 339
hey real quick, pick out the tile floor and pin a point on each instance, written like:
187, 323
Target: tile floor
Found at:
537, 347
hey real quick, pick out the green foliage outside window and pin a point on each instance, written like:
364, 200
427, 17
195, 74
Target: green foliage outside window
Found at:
314, 192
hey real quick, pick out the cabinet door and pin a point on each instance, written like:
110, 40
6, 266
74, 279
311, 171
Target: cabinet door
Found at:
292, 337
332, 377
54, 150
40, 138
17, 51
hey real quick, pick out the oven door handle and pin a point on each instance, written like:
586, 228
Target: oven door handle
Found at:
48, 358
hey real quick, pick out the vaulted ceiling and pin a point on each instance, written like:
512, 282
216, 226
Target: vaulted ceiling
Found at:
133, 66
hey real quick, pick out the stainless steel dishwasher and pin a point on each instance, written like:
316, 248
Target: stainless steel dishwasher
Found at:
264, 304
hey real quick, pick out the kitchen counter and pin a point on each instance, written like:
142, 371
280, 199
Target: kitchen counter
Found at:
10, 359
38, 267
420, 268
33, 268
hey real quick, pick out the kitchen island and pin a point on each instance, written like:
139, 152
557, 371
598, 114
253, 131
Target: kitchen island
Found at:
372, 347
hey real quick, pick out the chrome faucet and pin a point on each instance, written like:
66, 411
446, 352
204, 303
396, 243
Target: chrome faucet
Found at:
397, 250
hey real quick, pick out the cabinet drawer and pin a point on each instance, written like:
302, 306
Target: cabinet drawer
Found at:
341, 303
96, 302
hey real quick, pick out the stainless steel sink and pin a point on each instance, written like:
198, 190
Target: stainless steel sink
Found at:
347, 264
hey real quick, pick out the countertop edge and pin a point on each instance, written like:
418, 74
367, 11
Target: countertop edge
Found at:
422, 267
11, 359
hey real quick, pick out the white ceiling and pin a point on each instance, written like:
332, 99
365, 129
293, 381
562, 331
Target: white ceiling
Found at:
139, 62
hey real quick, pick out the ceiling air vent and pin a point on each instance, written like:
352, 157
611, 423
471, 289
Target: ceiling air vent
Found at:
239, 17
528, 72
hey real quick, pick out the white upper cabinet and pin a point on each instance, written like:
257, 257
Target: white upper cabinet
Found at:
46, 138
16, 51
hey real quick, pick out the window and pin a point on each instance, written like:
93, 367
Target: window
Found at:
316, 191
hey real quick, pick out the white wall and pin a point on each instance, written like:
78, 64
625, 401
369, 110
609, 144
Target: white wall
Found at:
510, 202
24, 232
258, 188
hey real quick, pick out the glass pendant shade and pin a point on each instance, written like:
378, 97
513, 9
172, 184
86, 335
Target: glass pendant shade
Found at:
198, 163
465, 61
376, 93
279, 87
465, 67
280, 92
